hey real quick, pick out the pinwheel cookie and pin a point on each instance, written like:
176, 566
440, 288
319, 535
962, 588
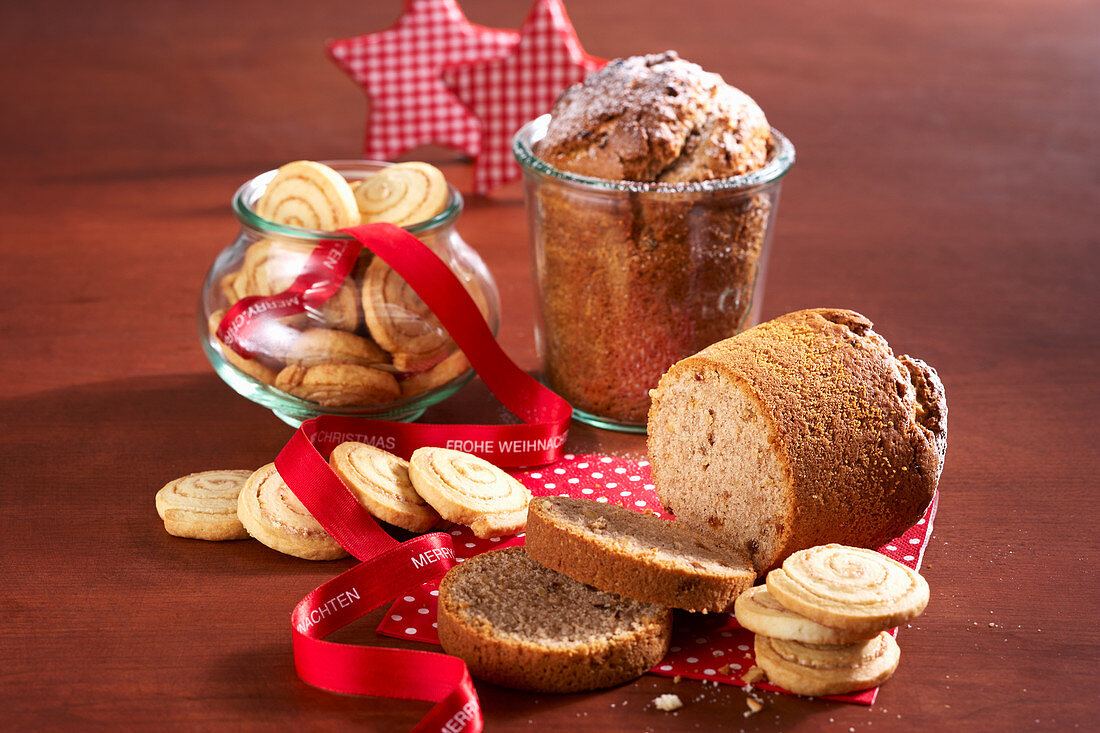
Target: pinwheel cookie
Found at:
849, 588
443, 372
399, 321
271, 513
760, 613
203, 506
402, 323
829, 669
469, 490
252, 367
309, 195
338, 385
332, 346
271, 267
380, 481
402, 194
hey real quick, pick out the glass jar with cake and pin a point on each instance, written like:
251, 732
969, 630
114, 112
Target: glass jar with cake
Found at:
651, 191
369, 347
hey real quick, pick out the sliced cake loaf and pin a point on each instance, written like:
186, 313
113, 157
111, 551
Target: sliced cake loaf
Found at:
519, 624
802, 431
640, 556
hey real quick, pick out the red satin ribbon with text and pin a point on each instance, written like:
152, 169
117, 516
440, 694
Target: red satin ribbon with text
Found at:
389, 568
242, 327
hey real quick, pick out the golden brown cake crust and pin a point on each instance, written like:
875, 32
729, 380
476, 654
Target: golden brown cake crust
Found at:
862, 434
640, 556
655, 118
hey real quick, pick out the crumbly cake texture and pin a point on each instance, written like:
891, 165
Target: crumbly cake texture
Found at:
519, 624
802, 431
655, 118
630, 284
640, 556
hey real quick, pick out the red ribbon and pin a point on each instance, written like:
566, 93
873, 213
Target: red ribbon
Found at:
390, 568
242, 328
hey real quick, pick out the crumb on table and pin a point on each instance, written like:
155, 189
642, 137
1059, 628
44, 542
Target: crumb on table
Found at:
668, 702
755, 674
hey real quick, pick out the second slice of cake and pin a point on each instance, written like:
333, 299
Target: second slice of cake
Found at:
639, 556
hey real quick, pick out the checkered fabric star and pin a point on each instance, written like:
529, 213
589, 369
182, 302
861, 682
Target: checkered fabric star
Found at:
399, 70
504, 93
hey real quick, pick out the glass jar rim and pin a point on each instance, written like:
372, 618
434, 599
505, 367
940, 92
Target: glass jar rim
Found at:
778, 165
251, 189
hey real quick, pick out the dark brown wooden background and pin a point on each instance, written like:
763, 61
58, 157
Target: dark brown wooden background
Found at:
946, 186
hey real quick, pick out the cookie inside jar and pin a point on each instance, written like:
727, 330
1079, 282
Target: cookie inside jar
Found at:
368, 341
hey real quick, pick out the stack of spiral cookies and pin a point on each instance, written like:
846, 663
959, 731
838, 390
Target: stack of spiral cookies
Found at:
437, 487
822, 620
374, 341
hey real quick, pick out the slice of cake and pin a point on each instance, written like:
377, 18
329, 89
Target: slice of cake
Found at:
639, 556
519, 624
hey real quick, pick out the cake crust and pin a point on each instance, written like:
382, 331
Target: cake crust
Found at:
655, 118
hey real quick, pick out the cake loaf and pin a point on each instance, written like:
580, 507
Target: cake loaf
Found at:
630, 284
802, 431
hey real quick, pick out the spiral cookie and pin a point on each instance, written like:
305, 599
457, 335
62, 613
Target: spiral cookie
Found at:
398, 320
402, 194
338, 385
380, 481
758, 612
310, 196
324, 345
270, 268
443, 372
251, 367
830, 669
469, 490
848, 588
228, 287
271, 513
203, 506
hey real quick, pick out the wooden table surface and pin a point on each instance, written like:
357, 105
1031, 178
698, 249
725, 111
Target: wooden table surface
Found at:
946, 186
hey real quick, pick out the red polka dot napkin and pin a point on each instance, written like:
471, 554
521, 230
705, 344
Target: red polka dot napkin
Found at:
704, 647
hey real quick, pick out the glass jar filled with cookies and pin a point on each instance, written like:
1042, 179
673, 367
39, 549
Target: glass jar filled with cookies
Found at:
372, 348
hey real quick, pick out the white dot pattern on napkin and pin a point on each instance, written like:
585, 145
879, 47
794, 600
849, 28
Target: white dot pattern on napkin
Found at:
710, 647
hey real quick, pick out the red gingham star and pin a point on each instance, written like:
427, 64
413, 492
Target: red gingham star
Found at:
506, 92
399, 70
